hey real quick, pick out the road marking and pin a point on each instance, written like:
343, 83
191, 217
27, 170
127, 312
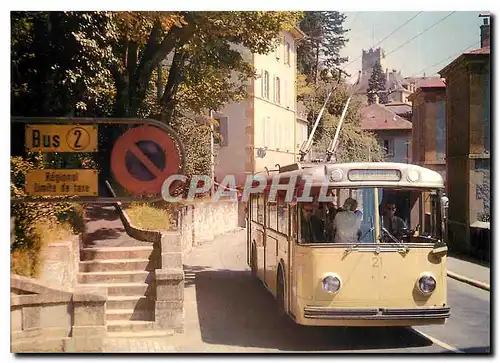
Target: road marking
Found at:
438, 342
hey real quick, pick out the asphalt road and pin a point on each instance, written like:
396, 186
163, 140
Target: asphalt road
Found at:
226, 310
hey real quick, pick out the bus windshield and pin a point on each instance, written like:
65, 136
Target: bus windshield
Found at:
371, 215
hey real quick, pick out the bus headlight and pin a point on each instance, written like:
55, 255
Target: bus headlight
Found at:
331, 284
426, 284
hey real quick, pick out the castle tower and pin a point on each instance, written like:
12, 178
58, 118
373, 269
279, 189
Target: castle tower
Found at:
369, 58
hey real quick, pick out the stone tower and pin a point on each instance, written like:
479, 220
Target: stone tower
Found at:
370, 57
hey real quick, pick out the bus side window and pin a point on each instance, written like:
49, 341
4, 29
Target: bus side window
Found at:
282, 215
293, 226
253, 207
260, 209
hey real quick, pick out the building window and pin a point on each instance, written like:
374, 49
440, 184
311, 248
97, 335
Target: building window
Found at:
389, 147
277, 52
221, 131
287, 53
277, 91
265, 88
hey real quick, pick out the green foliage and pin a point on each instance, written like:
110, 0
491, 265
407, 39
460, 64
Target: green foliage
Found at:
355, 144
60, 64
377, 85
196, 140
325, 38
37, 222
201, 53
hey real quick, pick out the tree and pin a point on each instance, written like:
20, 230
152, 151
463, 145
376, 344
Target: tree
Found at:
114, 56
377, 85
321, 48
59, 64
355, 144
200, 47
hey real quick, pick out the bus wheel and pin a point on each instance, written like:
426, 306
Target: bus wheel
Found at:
280, 294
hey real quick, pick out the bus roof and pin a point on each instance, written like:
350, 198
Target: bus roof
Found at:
362, 174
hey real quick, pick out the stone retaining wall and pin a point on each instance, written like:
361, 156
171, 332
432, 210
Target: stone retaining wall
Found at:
60, 261
45, 318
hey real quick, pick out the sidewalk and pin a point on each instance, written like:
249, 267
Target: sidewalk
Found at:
469, 272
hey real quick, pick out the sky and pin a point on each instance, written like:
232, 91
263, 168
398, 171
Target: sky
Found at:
428, 53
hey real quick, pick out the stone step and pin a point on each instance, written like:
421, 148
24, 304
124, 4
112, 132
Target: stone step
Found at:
114, 277
116, 265
129, 302
124, 288
128, 314
115, 253
141, 334
129, 325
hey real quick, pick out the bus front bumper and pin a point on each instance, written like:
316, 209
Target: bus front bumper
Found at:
387, 314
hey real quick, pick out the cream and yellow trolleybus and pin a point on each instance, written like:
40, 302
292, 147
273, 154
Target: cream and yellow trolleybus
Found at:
367, 248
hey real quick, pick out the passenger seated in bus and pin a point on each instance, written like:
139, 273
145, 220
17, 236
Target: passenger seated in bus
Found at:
346, 226
391, 222
312, 227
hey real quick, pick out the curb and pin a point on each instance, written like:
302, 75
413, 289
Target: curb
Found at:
475, 283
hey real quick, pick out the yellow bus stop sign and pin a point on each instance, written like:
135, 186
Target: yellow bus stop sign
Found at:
61, 138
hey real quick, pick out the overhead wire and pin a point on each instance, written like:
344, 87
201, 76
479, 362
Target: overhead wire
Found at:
386, 37
419, 34
445, 59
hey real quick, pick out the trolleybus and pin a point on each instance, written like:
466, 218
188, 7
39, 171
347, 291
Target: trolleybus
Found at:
372, 253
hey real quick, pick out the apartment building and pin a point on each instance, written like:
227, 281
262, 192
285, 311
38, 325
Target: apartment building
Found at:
261, 131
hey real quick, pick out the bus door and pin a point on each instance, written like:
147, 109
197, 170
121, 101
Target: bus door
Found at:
271, 245
291, 302
248, 218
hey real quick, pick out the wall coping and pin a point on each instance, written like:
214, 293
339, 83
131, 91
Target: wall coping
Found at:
41, 293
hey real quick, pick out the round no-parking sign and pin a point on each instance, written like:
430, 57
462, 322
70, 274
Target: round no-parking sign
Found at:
143, 157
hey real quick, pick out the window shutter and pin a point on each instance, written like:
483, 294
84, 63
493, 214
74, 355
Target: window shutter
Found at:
223, 127
262, 80
285, 94
274, 89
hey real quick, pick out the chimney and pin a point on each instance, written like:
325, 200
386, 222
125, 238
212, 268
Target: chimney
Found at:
485, 32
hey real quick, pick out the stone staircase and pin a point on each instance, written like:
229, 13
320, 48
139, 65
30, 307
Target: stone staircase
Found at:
127, 274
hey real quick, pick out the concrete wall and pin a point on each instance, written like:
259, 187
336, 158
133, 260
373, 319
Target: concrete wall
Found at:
203, 221
60, 263
45, 318
400, 140
230, 156
468, 148
429, 129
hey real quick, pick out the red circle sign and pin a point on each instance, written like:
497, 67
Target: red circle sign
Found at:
128, 142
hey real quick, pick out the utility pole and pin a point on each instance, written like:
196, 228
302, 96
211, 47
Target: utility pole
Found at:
212, 164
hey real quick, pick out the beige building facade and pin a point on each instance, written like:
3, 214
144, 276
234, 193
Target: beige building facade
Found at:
263, 131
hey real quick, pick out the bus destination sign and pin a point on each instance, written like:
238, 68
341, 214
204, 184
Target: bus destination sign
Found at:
374, 175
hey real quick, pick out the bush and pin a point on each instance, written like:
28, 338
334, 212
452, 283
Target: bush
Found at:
149, 216
37, 224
